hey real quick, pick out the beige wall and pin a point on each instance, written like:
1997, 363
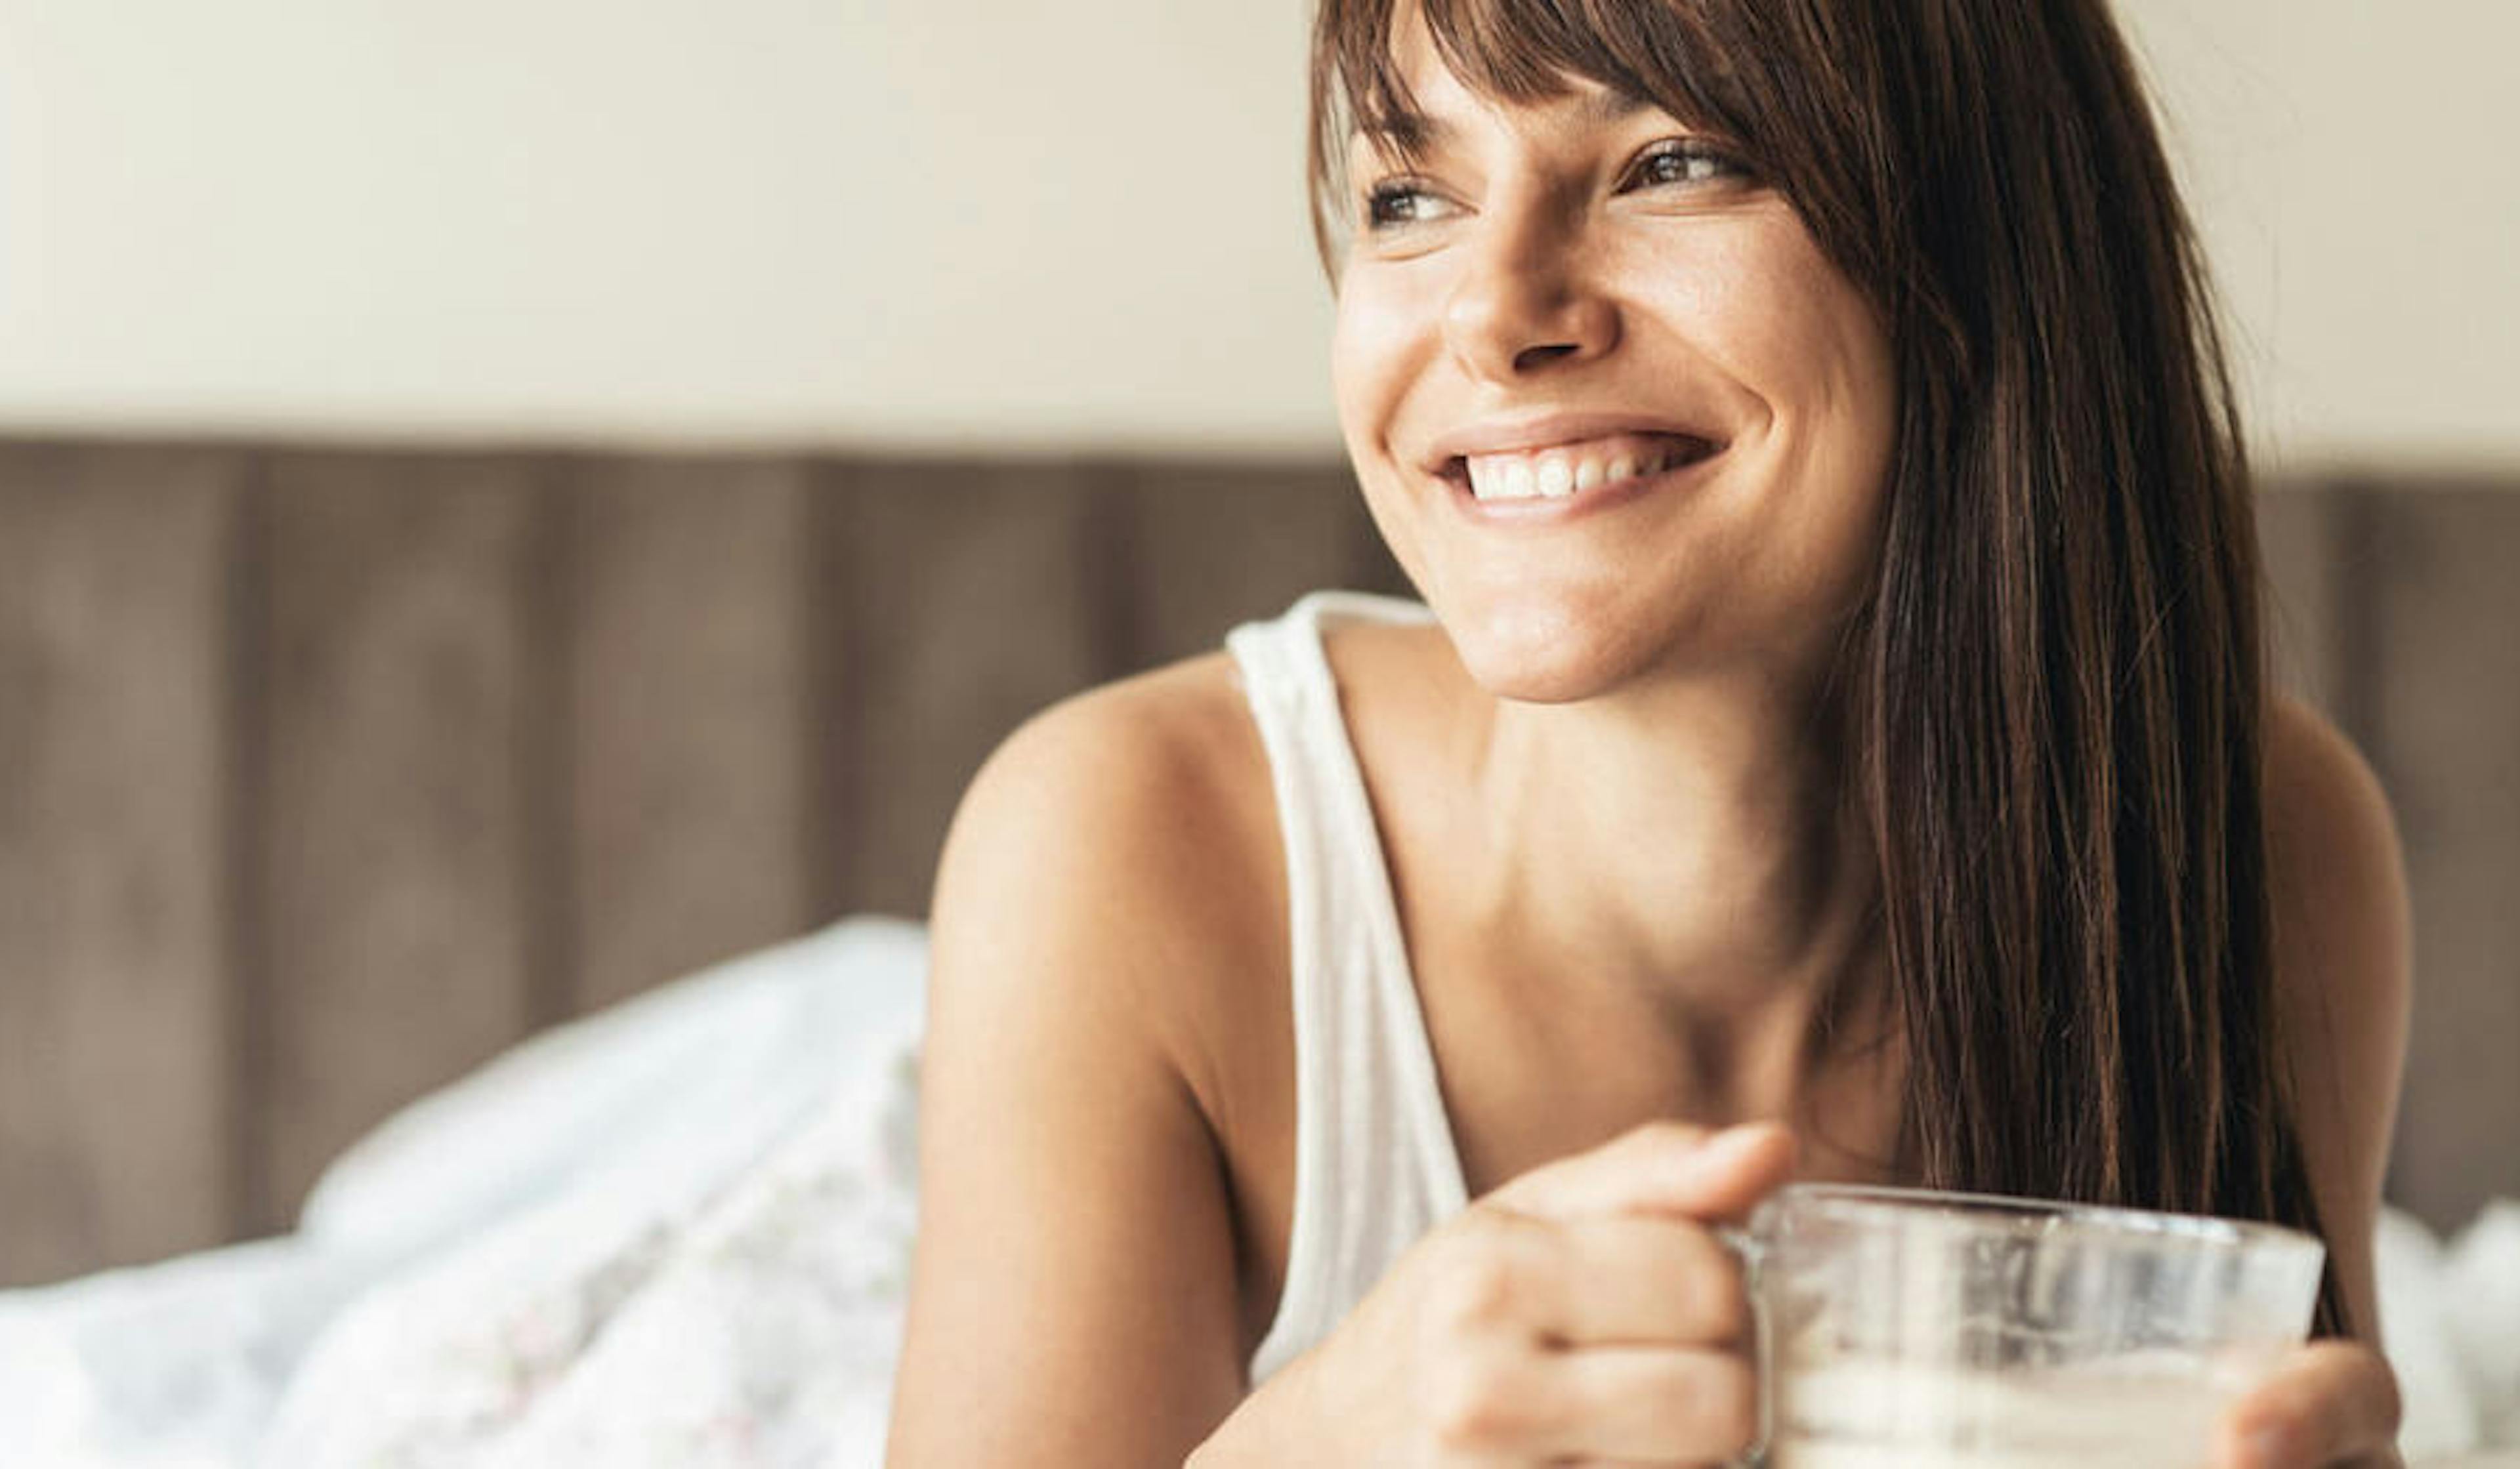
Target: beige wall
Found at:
830, 220
925, 223
2351, 166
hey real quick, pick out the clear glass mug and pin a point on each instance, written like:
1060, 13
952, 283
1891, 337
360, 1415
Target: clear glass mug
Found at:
1906, 1329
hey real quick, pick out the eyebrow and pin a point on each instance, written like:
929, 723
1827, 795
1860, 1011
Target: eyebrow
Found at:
1413, 130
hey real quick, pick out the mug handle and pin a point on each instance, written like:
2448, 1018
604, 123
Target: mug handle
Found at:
1751, 1249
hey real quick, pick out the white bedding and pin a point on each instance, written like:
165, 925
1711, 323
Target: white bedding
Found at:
675, 1234
680, 1222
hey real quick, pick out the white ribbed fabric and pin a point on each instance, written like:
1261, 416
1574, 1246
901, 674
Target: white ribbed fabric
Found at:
1374, 1161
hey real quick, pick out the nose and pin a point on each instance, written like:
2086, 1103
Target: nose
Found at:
1526, 301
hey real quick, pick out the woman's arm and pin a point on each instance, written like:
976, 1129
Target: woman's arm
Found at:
2343, 971
1073, 1298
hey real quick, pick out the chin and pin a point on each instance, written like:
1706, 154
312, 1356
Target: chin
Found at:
1544, 653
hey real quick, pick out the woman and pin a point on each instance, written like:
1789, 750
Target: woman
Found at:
1840, 750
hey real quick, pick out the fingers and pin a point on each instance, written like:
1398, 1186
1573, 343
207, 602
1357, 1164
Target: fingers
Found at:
1585, 1312
1662, 1168
1618, 1404
2333, 1402
1639, 1281
1648, 1405
1623, 1280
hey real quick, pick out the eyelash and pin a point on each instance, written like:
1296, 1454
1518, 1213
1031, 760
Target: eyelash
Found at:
1386, 197
1690, 151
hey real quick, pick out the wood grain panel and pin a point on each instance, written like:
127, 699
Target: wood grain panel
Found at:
395, 867
1211, 547
114, 1102
686, 653
970, 598
2443, 670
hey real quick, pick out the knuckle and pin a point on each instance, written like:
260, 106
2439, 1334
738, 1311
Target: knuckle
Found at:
1474, 1405
1483, 1282
1478, 1293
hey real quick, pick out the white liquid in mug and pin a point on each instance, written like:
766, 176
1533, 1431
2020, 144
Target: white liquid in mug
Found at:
2131, 1416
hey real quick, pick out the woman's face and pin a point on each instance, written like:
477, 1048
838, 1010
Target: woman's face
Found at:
1613, 411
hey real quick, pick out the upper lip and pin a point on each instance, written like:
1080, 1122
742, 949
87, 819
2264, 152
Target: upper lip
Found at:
1509, 435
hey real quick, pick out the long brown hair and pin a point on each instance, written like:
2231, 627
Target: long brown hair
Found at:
2058, 682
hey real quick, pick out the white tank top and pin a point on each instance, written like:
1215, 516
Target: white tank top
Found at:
1374, 1162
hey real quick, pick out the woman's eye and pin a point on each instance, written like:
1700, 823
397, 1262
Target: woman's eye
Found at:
1395, 203
1684, 160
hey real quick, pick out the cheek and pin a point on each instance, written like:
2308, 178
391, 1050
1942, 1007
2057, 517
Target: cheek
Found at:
1801, 340
1815, 380
1374, 343
1378, 346
1795, 333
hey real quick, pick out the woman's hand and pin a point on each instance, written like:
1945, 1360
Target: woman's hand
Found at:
1583, 1313
2331, 1405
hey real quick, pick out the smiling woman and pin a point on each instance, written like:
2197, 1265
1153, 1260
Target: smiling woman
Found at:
1835, 745
1581, 283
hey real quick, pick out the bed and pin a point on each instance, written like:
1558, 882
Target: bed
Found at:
340, 772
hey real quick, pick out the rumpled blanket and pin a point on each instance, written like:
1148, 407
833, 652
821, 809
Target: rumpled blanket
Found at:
673, 1232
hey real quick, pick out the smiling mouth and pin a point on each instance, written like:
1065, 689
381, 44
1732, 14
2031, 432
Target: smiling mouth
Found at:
1562, 472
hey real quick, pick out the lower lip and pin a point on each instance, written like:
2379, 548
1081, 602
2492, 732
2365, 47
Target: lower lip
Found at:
1539, 510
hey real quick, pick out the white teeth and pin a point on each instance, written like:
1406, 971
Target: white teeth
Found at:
1557, 474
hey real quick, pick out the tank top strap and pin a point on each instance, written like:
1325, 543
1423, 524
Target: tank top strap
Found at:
1375, 1166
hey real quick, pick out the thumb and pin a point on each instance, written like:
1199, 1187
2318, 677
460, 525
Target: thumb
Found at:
1660, 1168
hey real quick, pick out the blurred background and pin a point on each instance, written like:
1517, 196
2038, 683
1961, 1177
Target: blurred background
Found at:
501, 503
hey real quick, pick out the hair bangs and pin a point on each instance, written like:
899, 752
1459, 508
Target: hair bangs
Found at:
1668, 53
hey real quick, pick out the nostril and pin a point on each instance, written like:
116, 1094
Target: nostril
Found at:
1531, 358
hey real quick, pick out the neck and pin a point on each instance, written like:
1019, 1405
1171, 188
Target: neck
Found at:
1696, 843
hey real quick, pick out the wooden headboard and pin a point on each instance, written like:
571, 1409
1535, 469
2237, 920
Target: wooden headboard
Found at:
326, 773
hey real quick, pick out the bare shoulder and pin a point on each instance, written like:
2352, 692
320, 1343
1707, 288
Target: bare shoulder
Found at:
1076, 1244
2343, 971
2337, 872
1136, 762
1129, 830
